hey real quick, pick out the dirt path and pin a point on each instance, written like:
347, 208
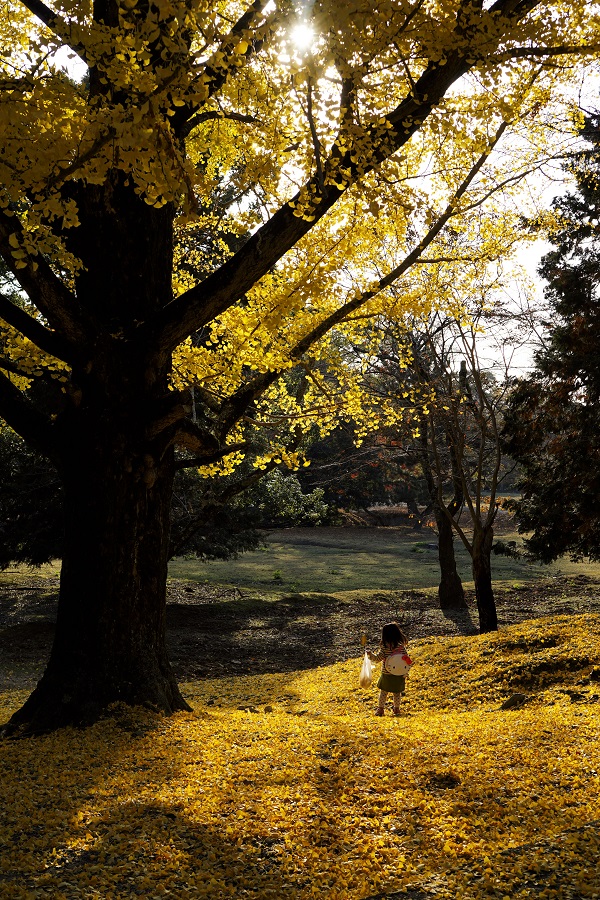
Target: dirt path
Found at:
214, 632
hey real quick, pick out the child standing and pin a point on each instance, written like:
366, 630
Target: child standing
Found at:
393, 640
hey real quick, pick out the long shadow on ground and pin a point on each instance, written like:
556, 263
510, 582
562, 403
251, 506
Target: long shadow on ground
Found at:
217, 631
299, 631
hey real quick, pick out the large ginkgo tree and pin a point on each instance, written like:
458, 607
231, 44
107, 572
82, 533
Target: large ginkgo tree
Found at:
192, 207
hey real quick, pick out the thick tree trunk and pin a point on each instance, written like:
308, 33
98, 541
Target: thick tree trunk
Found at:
450, 592
109, 644
482, 576
116, 461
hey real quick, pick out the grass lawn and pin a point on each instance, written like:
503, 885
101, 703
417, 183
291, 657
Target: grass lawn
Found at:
344, 559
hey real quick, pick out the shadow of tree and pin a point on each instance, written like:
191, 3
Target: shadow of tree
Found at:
256, 636
462, 619
243, 634
76, 831
137, 806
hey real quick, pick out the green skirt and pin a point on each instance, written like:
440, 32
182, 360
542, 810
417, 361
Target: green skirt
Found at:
395, 684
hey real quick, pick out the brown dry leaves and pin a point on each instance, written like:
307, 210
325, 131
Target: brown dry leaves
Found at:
288, 786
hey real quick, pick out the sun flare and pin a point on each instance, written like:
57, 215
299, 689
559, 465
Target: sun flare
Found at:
302, 36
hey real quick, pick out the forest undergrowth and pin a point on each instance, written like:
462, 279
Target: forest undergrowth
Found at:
287, 785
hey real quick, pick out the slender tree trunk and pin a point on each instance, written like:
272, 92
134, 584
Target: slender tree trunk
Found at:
450, 592
411, 505
482, 576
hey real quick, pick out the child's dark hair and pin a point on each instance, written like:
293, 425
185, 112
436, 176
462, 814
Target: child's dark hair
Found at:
392, 635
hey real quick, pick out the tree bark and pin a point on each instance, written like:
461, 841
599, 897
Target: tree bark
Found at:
411, 505
109, 644
450, 591
117, 468
482, 576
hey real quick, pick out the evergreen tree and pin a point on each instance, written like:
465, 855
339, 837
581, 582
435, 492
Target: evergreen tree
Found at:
553, 424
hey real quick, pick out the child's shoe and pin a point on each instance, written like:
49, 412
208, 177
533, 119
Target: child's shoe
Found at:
379, 711
397, 711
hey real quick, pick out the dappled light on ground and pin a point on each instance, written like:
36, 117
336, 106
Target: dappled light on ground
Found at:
288, 786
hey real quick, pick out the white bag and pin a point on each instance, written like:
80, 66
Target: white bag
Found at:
366, 672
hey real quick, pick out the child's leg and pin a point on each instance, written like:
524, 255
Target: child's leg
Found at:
381, 704
397, 699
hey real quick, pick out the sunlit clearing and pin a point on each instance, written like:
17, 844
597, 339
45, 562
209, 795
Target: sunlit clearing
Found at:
302, 36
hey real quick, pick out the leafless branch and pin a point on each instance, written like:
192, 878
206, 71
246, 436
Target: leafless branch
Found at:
545, 52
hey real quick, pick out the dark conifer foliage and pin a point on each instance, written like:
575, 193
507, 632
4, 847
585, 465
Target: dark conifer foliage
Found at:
30, 509
553, 424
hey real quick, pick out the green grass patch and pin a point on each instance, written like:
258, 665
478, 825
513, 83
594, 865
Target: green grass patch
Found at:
346, 559
339, 559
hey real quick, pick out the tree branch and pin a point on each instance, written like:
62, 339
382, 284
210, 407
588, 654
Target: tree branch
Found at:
545, 52
9, 366
206, 397
56, 24
196, 307
25, 419
45, 290
196, 439
314, 135
340, 314
48, 341
201, 304
61, 174
237, 487
207, 459
234, 407
214, 74
216, 114
24, 84
170, 412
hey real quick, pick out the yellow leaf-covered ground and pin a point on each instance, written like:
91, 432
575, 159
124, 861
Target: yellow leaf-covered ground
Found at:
287, 786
